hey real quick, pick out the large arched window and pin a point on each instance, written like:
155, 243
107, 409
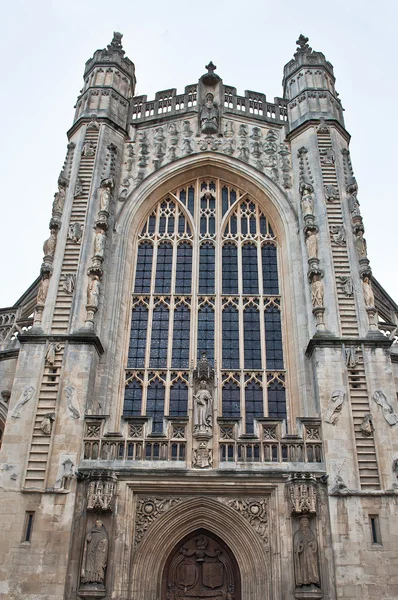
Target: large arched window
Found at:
206, 280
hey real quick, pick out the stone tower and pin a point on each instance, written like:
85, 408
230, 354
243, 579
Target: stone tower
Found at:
204, 404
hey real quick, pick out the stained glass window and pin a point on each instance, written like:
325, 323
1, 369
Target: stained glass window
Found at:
206, 279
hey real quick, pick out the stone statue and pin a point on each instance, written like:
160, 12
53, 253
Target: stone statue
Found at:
368, 293
95, 555
52, 349
360, 244
351, 357
59, 197
69, 283
105, 195
46, 424
75, 232
317, 292
334, 406
367, 425
305, 555
27, 395
50, 244
42, 292
93, 291
229, 129
209, 115
307, 201
338, 234
312, 243
346, 285
88, 149
186, 129
388, 411
353, 204
78, 187
203, 409
187, 147
99, 243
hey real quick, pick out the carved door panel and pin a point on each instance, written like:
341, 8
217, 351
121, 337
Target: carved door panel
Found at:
201, 566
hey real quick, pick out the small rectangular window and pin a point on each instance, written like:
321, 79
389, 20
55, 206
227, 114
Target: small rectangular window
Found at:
375, 529
28, 527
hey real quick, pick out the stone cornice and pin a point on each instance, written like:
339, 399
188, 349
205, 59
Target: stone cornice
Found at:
314, 123
333, 342
9, 354
81, 339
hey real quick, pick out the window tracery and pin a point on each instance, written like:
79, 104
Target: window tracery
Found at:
206, 279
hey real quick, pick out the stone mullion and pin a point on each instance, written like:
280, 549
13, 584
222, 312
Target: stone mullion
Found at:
261, 318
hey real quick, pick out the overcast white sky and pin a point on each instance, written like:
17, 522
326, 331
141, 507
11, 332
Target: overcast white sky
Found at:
46, 43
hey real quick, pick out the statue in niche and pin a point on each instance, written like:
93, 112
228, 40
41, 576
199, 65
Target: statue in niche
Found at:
334, 406
42, 292
93, 291
59, 197
209, 115
105, 194
360, 244
50, 244
388, 411
95, 554
203, 409
312, 243
368, 293
317, 292
307, 200
99, 243
305, 556
27, 395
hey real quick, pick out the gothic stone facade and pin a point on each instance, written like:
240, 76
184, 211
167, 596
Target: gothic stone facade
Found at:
205, 402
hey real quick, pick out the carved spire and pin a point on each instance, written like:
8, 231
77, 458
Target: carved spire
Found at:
302, 46
116, 43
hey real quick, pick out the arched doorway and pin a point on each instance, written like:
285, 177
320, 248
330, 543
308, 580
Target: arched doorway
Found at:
201, 566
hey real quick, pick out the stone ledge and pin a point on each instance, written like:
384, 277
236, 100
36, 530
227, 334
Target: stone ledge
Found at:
9, 354
73, 338
331, 342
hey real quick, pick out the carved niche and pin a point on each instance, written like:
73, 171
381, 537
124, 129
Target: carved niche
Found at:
201, 567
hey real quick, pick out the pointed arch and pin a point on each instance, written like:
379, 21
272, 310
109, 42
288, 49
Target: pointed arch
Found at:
246, 545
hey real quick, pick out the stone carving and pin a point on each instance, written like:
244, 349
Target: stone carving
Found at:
307, 200
69, 283
301, 493
93, 291
202, 456
148, 510
88, 149
350, 353
99, 244
186, 129
388, 412
70, 393
93, 123
78, 187
334, 407
187, 147
203, 409
50, 245
327, 156
101, 493
338, 234
367, 425
229, 129
105, 195
360, 244
27, 395
368, 293
322, 127
331, 193
255, 511
42, 291
46, 423
353, 202
312, 243
59, 197
346, 285
285, 165
209, 115
305, 556
229, 147
95, 555
317, 291
75, 232
66, 476
52, 349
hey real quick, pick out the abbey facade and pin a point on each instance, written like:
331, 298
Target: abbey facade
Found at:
199, 392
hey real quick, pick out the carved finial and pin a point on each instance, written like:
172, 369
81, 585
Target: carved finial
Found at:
116, 43
303, 47
210, 68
